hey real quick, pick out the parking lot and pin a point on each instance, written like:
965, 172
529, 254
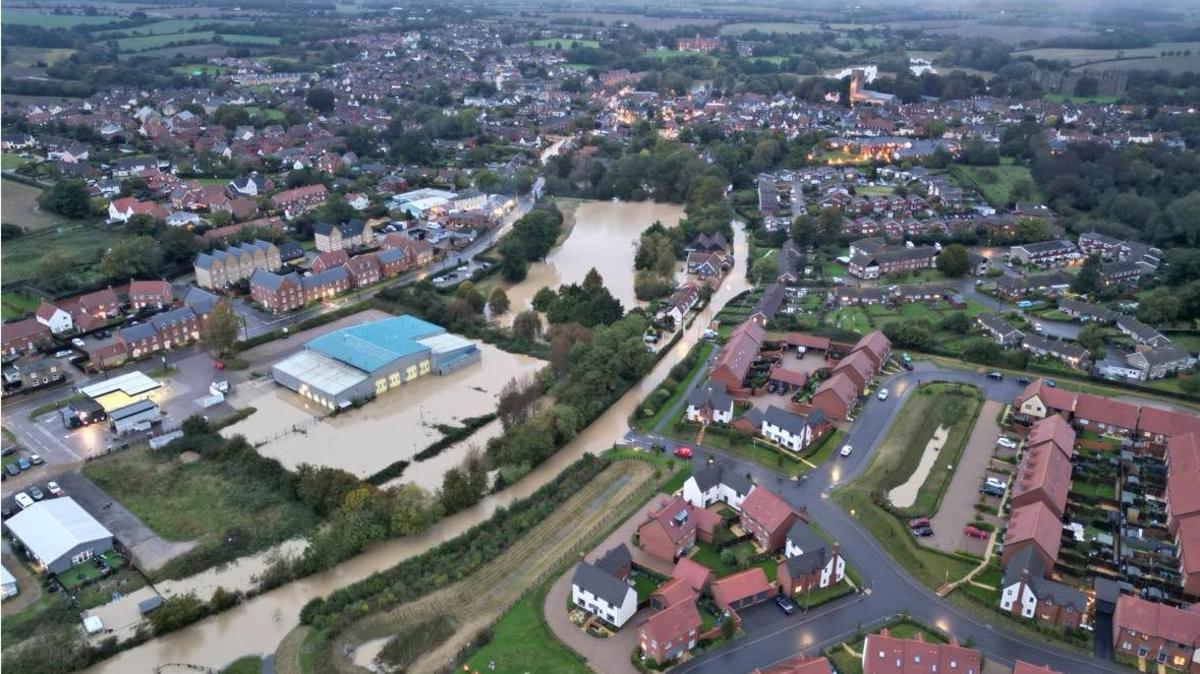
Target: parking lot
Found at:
957, 509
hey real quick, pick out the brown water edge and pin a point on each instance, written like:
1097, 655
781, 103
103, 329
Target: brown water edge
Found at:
258, 625
604, 235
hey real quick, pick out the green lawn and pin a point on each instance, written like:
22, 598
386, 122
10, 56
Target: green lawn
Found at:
16, 304
10, 161
648, 423
994, 182
251, 664
853, 319
824, 447
645, 585
521, 643
1063, 98
707, 555
170, 26
564, 43
201, 69
147, 42
46, 19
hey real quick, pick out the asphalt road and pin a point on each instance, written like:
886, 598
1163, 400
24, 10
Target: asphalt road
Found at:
890, 590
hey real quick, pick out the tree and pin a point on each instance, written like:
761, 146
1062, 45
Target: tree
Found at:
136, 257
543, 298
220, 331
956, 322
1159, 306
413, 510
517, 399
68, 198
953, 260
498, 303
831, 224
320, 99
1021, 190
1091, 337
56, 271
177, 612
178, 245
764, 268
592, 280
806, 231
1088, 278
467, 291
527, 325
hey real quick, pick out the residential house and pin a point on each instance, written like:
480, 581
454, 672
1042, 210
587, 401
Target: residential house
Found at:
891, 260
1043, 476
707, 265
1033, 526
1040, 400
798, 665
1121, 272
709, 403
836, 397
737, 355
715, 483
741, 590
679, 303
884, 654
329, 260
150, 294
670, 633
250, 185
53, 317
999, 329
139, 340
1045, 254
790, 430
24, 336
296, 201
670, 531
603, 595
1026, 591
223, 268
1141, 333
37, 372
345, 235
1106, 415
1069, 353
1183, 506
277, 293
767, 518
326, 284
1157, 634
176, 327
1160, 362
809, 564
1085, 311
364, 270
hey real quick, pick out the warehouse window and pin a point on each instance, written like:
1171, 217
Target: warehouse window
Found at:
424, 367
411, 373
380, 385
394, 380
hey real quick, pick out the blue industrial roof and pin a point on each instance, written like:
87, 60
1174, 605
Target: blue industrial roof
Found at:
371, 346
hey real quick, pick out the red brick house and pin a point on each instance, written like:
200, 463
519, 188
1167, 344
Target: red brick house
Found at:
877, 347
1020, 667
696, 575
836, 397
1033, 525
1157, 633
767, 517
364, 270
670, 530
737, 355
24, 336
1044, 476
1106, 415
328, 260
885, 654
742, 589
798, 665
154, 294
858, 366
294, 202
392, 262
99, 304
1183, 506
278, 293
671, 632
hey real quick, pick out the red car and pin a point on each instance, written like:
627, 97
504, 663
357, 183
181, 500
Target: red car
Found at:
975, 532
218, 365
918, 522
683, 452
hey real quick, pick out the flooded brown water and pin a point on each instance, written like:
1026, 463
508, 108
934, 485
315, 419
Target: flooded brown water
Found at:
604, 236
257, 626
394, 426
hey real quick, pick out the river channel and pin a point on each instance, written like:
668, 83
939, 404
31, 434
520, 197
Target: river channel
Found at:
257, 626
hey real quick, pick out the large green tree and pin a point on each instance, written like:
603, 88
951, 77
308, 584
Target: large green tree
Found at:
135, 257
953, 260
68, 198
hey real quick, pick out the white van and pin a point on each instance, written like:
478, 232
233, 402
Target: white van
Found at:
24, 500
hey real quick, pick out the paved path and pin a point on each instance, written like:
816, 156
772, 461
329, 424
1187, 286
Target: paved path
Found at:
891, 590
29, 588
958, 504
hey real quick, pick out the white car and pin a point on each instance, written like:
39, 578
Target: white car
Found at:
883, 394
24, 500
846, 449
1007, 443
54, 489
77, 341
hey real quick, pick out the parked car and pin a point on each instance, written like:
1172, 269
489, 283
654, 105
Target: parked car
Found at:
218, 365
64, 353
975, 532
883, 394
846, 449
1051, 383
918, 522
36, 493
1007, 443
995, 482
1023, 381
786, 605
36, 459
995, 375
55, 490
923, 532
13, 469
24, 463
78, 341
683, 452
5, 512
23, 500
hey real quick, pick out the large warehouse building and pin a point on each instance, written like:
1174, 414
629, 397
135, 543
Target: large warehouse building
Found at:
366, 360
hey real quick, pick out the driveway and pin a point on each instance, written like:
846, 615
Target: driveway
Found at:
958, 504
607, 656
150, 550
29, 588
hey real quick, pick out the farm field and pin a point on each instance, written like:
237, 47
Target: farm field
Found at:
146, 42
172, 26
668, 54
564, 43
1063, 98
200, 69
1081, 56
18, 201
769, 59
46, 19
1178, 64
769, 27
17, 304
640, 20
10, 161
29, 56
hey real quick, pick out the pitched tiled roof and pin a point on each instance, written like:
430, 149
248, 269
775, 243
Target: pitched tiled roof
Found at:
740, 585
1053, 429
766, 508
885, 654
604, 585
1183, 475
696, 575
1037, 523
1158, 620
1106, 411
673, 624
1046, 469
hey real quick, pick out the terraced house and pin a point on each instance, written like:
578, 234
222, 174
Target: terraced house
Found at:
223, 268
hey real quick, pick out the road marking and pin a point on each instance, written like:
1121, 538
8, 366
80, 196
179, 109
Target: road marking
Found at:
61, 444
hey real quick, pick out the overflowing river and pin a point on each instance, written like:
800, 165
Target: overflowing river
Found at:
604, 236
258, 625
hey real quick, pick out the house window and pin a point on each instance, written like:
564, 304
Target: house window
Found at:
1143, 652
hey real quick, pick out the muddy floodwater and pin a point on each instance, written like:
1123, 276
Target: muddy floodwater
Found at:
257, 626
394, 426
604, 236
